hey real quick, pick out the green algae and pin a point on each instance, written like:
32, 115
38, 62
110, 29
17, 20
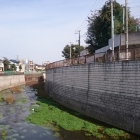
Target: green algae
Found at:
48, 114
1, 116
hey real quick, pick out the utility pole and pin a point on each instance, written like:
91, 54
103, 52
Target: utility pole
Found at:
79, 41
112, 28
70, 50
126, 30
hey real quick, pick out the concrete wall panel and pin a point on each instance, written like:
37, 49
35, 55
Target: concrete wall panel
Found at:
109, 92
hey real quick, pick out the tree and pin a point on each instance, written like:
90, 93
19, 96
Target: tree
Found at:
20, 67
99, 27
13, 67
75, 51
6, 64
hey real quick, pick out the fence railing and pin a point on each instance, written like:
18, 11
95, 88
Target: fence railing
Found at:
6, 73
119, 54
33, 72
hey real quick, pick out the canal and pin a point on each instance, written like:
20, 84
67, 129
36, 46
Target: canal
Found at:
20, 106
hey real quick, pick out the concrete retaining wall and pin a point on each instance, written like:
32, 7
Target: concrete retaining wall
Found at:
11, 81
109, 92
35, 78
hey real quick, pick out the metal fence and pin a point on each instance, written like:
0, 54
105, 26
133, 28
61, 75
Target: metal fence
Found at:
6, 73
119, 55
33, 72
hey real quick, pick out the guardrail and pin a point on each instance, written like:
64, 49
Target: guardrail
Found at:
119, 55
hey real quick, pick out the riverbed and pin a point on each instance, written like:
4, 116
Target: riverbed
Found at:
12, 118
14, 127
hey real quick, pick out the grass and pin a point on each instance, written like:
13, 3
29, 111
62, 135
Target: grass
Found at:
49, 114
3, 131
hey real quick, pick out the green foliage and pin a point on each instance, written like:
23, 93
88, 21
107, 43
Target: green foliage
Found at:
6, 64
1, 99
99, 27
115, 133
48, 114
75, 51
20, 67
57, 134
13, 67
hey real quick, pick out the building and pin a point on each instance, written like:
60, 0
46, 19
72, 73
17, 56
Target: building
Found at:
1, 65
29, 65
39, 67
16, 63
84, 52
120, 48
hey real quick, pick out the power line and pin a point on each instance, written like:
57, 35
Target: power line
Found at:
85, 18
84, 23
94, 5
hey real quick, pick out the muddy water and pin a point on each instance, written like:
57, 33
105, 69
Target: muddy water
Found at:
12, 119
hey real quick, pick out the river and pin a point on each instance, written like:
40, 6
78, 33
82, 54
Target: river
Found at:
14, 127
12, 118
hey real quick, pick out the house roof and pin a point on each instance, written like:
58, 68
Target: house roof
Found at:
14, 61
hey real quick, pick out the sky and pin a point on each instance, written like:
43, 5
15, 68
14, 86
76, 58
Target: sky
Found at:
38, 30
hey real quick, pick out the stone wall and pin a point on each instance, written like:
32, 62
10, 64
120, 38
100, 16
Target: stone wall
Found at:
11, 81
109, 92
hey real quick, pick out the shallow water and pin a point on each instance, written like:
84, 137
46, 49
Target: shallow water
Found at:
12, 119
14, 127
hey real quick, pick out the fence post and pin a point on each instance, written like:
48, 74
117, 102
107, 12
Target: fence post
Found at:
134, 53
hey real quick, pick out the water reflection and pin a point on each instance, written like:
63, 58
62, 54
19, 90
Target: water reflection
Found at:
12, 118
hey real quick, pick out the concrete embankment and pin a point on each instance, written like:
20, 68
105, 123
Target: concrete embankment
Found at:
8, 81
109, 92
11, 81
